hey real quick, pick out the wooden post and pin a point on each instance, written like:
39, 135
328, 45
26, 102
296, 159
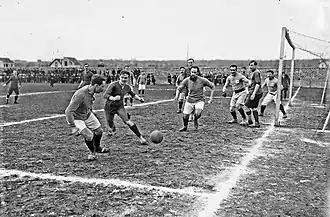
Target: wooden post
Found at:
291, 76
279, 84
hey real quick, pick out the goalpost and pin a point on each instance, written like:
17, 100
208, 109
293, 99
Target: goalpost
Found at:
315, 47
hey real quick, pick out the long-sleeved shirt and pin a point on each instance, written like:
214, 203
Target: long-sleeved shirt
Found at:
195, 88
114, 89
80, 106
14, 81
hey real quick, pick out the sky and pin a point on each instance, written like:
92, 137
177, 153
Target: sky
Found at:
156, 29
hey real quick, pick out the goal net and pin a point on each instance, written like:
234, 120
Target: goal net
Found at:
309, 66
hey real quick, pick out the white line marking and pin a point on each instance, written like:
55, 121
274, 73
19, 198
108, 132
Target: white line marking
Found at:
323, 144
115, 182
40, 93
223, 188
323, 131
1, 106
63, 115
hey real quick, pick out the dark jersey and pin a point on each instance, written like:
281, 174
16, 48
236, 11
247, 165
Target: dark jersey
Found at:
255, 79
14, 81
114, 89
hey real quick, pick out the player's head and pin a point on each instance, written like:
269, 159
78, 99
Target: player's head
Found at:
182, 69
243, 69
98, 82
124, 75
233, 69
194, 72
86, 65
126, 67
270, 74
190, 62
15, 73
253, 65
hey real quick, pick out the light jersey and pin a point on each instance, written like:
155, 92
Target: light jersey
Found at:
271, 85
255, 79
195, 88
80, 106
142, 79
14, 81
237, 81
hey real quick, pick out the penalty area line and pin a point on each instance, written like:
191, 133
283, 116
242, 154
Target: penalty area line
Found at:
114, 182
63, 115
214, 201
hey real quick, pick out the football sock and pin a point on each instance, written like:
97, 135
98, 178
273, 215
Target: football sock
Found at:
142, 92
180, 105
135, 130
233, 113
131, 101
139, 91
90, 145
256, 116
185, 120
97, 140
248, 113
263, 108
241, 111
282, 109
16, 97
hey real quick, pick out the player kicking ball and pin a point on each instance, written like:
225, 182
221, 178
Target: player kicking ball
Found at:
271, 83
237, 82
114, 104
14, 86
82, 120
195, 100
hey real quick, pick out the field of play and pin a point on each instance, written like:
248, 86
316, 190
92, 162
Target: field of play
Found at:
218, 170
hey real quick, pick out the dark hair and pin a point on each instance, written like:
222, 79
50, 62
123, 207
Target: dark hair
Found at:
126, 66
243, 67
86, 65
191, 59
182, 67
124, 72
235, 66
254, 62
195, 67
271, 71
97, 79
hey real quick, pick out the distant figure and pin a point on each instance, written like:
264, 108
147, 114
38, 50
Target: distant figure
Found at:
286, 84
142, 80
86, 76
15, 85
153, 79
169, 78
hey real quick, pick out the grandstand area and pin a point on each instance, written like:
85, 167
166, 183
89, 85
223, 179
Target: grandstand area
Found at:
218, 170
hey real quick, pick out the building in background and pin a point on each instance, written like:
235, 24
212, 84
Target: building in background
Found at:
66, 62
6, 63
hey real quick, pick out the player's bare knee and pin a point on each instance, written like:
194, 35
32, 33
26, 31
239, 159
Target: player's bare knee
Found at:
98, 131
129, 123
232, 109
87, 134
198, 112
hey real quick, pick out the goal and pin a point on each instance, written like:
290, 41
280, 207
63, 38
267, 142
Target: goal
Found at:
315, 48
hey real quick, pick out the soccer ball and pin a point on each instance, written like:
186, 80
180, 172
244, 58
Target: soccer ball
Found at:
156, 136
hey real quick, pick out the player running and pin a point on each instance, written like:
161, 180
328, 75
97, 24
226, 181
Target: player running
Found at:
86, 76
82, 120
271, 83
114, 104
131, 82
238, 83
195, 100
184, 92
15, 85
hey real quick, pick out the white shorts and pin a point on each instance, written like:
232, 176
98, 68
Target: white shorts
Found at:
238, 99
190, 107
142, 86
91, 123
268, 99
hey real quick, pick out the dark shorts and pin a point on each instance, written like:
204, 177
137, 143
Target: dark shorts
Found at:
15, 89
253, 103
112, 110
